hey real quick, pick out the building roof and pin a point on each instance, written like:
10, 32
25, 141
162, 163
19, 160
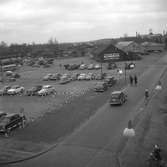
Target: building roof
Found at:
123, 44
151, 44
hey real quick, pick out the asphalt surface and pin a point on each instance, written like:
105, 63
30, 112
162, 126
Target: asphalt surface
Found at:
97, 143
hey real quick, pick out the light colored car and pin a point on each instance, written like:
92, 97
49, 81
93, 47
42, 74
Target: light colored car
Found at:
46, 90
82, 67
90, 67
97, 66
82, 77
47, 77
16, 89
89, 76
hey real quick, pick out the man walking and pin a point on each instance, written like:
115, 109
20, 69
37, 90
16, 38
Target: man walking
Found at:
135, 79
131, 80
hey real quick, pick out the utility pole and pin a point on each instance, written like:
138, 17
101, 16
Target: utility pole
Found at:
1, 70
125, 72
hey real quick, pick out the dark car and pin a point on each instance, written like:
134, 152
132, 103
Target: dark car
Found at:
118, 97
73, 67
65, 80
4, 90
11, 121
110, 81
111, 66
33, 91
101, 87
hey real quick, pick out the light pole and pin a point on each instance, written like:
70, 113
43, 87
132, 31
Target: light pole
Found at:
125, 71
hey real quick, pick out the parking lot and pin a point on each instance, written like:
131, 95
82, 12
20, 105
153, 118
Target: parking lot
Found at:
74, 103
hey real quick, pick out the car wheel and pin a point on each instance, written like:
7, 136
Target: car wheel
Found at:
7, 133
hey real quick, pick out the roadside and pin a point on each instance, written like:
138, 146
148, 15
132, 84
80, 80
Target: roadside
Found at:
151, 128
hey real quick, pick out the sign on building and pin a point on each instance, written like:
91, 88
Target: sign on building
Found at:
111, 56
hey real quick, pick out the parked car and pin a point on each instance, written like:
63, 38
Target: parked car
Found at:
46, 90
110, 80
16, 75
11, 79
118, 97
100, 76
90, 67
65, 80
33, 91
11, 121
9, 73
101, 87
16, 89
73, 67
4, 90
55, 77
74, 76
47, 77
111, 66
97, 66
82, 77
129, 66
89, 76
82, 67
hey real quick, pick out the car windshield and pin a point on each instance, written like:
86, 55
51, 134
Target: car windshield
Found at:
100, 84
46, 87
15, 87
115, 95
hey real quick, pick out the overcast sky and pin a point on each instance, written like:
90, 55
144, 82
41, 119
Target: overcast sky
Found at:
78, 20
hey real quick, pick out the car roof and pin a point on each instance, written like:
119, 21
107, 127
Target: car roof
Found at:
47, 86
11, 114
100, 83
117, 92
2, 112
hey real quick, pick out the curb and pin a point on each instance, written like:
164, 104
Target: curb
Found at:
31, 157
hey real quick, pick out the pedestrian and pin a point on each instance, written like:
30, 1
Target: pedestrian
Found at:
129, 131
146, 94
135, 79
156, 153
131, 80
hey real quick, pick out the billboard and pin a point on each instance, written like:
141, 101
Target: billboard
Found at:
111, 56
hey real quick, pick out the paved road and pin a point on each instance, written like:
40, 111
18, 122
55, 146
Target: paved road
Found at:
96, 142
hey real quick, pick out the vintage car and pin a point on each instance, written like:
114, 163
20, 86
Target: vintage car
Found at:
118, 97
16, 89
34, 90
46, 90
11, 121
100, 87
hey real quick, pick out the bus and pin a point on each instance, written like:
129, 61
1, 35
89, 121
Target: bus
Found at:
11, 67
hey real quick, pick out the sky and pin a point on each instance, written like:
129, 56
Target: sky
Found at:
27, 21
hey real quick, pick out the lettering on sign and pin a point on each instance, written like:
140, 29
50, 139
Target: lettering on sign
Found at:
110, 56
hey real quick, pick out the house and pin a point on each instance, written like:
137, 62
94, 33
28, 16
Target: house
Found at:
130, 46
152, 47
109, 53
